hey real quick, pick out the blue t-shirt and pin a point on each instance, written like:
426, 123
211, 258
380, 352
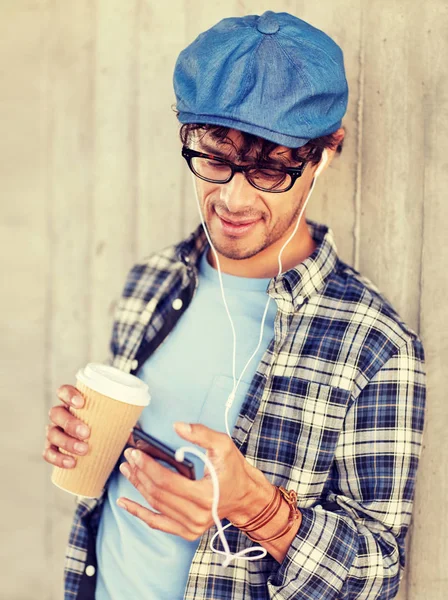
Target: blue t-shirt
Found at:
190, 379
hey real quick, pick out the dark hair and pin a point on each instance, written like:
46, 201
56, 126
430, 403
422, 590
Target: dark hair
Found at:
311, 151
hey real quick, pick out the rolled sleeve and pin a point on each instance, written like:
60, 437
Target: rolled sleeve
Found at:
356, 550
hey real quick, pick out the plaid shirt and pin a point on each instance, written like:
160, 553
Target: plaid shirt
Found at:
335, 411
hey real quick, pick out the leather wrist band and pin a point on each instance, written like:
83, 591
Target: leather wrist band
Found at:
264, 516
294, 513
260, 523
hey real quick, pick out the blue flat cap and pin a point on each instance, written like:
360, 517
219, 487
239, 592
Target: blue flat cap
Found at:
273, 75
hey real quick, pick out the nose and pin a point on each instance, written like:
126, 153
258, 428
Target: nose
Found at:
238, 194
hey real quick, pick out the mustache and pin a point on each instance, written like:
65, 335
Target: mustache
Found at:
221, 209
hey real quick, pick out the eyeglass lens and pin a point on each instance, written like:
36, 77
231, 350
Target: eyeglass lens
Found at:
268, 179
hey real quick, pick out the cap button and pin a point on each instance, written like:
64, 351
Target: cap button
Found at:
268, 23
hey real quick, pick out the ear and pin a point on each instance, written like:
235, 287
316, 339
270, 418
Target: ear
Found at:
330, 153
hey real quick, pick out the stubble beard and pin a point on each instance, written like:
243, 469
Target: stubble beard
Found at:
238, 248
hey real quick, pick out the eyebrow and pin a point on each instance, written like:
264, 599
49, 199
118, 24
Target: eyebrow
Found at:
220, 154
215, 151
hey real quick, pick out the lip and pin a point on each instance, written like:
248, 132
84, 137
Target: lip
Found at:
236, 228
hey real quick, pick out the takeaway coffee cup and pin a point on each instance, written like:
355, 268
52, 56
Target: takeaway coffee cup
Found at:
114, 401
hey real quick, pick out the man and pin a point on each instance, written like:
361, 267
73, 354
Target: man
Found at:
326, 413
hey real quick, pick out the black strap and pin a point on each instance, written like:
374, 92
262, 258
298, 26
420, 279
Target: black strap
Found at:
87, 585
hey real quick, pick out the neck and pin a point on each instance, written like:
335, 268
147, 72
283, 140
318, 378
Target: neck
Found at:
265, 263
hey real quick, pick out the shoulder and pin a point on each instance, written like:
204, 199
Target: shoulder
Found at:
365, 298
151, 272
158, 267
373, 330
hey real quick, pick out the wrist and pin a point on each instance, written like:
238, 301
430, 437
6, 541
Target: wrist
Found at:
276, 521
278, 526
257, 495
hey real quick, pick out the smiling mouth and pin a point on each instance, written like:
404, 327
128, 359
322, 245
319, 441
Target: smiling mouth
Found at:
235, 228
238, 223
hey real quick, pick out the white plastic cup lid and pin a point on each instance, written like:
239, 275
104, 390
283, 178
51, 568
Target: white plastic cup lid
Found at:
114, 383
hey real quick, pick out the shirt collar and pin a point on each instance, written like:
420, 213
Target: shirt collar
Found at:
299, 283
309, 276
190, 250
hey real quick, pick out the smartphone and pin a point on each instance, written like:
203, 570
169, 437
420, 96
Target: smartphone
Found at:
160, 451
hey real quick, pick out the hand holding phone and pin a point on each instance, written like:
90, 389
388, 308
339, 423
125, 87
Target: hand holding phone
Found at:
160, 451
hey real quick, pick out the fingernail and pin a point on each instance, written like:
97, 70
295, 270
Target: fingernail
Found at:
77, 401
81, 447
68, 462
184, 428
121, 504
82, 431
125, 470
135, 455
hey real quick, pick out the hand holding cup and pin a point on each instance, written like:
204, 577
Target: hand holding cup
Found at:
66, 431
111, 402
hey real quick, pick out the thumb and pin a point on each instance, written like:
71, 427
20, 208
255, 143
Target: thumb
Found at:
199, 434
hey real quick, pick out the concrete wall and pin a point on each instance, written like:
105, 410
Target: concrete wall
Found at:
92, 179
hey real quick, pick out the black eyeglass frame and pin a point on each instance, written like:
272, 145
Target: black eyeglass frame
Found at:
294, 172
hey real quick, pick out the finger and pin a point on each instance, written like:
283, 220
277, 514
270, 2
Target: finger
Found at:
54, 457
155, 521
195, 518
57, 437
74, 427
70, 396
202, 436
199, 492
131, 441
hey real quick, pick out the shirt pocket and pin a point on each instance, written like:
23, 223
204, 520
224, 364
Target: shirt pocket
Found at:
298, 430
212, 413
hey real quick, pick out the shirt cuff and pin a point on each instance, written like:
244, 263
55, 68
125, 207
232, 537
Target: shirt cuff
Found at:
319, 558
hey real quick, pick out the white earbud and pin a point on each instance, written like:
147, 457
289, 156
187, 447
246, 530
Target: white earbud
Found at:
322, 163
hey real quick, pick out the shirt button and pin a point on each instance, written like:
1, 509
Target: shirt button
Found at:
184, 257
300, 299
90, 570
177, 304
134, 364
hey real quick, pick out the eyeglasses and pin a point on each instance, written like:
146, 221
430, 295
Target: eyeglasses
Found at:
218, 170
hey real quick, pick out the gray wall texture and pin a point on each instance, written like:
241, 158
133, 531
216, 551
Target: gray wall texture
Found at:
92, 180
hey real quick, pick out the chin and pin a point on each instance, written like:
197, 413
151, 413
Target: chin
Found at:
236, 255
236, 249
